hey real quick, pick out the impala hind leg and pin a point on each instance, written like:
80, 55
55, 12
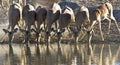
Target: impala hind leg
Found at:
116, 24
109, 24
100, 30
93, 32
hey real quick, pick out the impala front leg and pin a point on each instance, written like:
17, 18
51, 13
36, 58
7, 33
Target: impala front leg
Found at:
82, 35
89, 33
109, 24
56, 25
93, 32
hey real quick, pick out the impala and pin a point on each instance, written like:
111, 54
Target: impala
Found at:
66, 19
53, 14
101, 13
28, 14
41, 13
14, 18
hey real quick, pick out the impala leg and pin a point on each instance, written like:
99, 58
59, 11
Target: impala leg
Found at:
56, 25
89, 33
35, 26
82, 35
109, 24
76, 35
93, 32
89, 37
44, 25
116, 25
18, 26
101, 30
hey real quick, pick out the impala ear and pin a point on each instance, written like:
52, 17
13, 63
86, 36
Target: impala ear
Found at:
41, 30
5, 30
53, 30
32, 30
15, 30
63, 30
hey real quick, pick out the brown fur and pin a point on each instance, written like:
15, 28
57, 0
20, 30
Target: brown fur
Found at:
103, 12
14, 18
28, 14
40, 16
40, 19
82, 19
66, 19
53, 14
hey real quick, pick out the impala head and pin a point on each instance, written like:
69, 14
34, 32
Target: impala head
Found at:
26, 35
37, 32
48, 33
76, 31
10, 33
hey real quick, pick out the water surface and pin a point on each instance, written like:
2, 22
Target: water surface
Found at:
65, 54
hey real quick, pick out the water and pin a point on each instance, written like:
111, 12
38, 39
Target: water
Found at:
65, 54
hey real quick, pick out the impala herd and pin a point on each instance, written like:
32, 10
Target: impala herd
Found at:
61, 18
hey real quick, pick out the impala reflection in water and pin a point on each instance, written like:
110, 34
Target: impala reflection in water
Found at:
64, 54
